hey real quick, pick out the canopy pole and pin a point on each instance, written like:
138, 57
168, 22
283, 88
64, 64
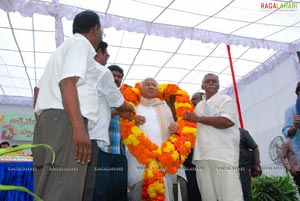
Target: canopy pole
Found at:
235, 87
59, 31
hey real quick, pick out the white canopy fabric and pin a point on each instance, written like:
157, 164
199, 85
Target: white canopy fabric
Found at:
174, 41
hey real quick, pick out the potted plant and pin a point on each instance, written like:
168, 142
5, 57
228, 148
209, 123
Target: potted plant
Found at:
274, 188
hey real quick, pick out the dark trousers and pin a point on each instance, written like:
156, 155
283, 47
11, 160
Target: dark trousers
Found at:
246, 182
192, 186
111, 177
65, 179
183, 189
89, 186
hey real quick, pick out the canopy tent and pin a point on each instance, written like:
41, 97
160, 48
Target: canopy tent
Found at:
174, 41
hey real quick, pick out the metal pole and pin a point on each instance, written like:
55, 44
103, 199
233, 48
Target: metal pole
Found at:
235, 87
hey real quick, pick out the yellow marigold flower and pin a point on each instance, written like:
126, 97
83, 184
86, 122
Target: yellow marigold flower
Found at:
182, 157
155, 188
175, 155
150, 173
153, 164
161, 88
136, 131
158, 151
173, 138
178, 105
181, 92
131, 140
189, 130
131, 103
169, 147
135, 90
187, 144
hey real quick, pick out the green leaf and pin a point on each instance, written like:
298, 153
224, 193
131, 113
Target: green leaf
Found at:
19, 188
26, 146
265, 188
19, 148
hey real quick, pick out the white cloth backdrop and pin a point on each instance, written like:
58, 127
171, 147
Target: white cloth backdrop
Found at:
263, 102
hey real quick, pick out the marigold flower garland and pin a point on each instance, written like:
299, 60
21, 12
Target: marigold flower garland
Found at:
172, 153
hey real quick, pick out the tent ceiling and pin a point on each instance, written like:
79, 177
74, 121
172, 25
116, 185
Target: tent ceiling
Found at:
175, 41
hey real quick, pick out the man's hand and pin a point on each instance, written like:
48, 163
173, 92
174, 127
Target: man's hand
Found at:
139, 120
293, 172
125, 111
190, 116
125, 115
296, 121
82, 146
129, 108
173, 127
257, 171
125, 107
81, 141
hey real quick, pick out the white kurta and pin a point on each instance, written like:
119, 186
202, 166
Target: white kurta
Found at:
213, 143
216, 152
151, 128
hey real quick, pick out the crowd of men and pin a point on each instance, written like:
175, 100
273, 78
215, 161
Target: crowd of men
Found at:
78, 107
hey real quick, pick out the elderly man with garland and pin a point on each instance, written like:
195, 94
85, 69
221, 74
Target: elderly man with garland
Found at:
216, 151
155, 119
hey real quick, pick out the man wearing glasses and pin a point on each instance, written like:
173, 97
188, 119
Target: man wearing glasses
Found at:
102, 54
63, 113
111, 171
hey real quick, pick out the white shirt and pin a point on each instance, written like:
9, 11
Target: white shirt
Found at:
75, 57
213, 143
109, 96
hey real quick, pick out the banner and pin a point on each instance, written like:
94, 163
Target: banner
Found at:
17, 126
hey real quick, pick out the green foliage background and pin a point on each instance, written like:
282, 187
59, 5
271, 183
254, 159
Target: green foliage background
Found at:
274, 188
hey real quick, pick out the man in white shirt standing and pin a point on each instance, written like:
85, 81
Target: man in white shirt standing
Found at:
63, 113
111, 175
216, 151
108, 96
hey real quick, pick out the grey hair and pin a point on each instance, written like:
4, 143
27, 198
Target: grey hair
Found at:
142, 82
210, 74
